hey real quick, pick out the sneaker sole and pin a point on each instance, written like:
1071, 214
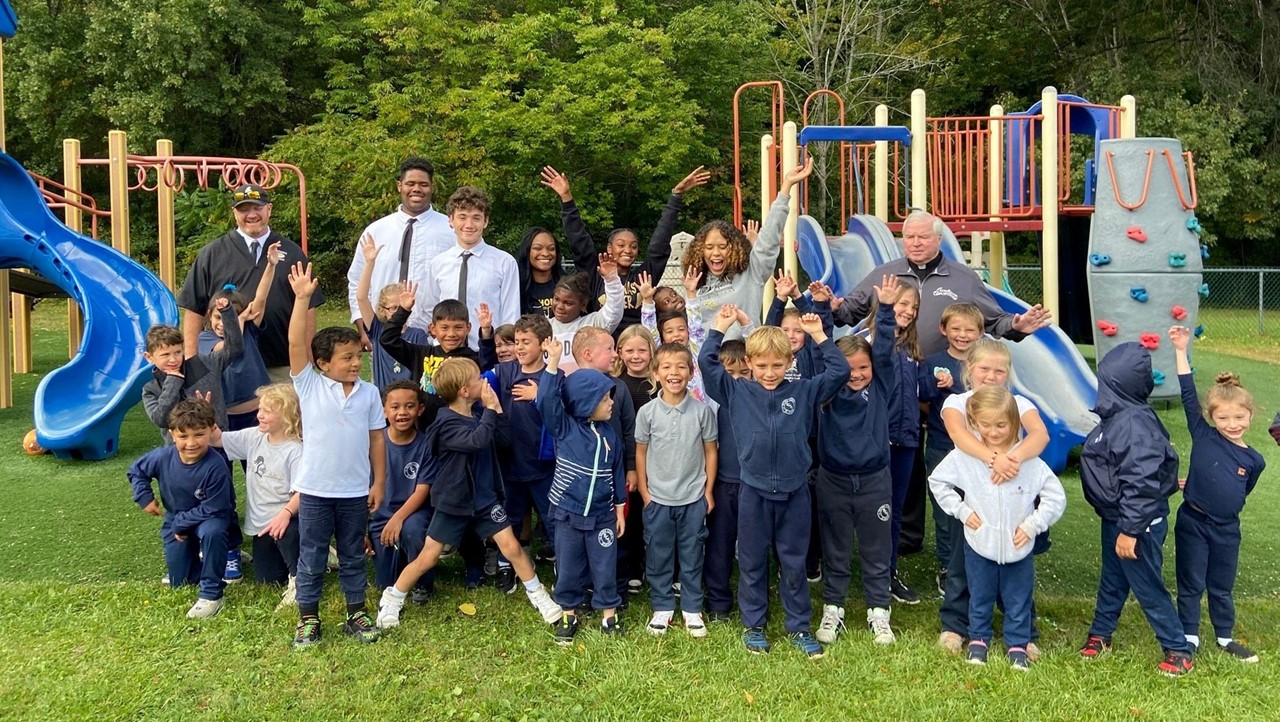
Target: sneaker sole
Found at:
363, 637
757, 650
909, 602
977, 662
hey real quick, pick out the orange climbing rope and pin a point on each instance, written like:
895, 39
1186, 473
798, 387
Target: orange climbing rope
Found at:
1191, 180
1146, 183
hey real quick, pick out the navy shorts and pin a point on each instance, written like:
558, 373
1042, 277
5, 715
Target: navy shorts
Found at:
449, 528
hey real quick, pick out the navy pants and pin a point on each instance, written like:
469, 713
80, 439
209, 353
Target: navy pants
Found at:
388, 562
1013, 584
346, 521
783, 525
631, 560
183, 560
902, 461
275, 560
942, 538
674, 533
586, 557
1142, 576
858, 505
956, 597
722, 543
522, 498
1207, 555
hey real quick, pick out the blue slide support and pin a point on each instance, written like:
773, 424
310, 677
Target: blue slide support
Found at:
1048, 369
79, 407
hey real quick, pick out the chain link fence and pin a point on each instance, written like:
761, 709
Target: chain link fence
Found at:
1243, 303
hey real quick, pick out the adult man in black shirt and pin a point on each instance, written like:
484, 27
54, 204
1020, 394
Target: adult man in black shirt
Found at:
238, 258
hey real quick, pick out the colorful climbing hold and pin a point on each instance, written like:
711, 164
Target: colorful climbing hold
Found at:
1135, 233
1157, 377
1203, 290
1204, 252
1199, 331
1099, 259
1150, 341
1107, 328
1193, 225
1178, 313
1177, 260
1138, 293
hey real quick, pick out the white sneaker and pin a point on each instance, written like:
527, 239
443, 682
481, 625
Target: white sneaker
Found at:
659, 622
831, 624
290, 596
389, 608
546, 606
878, 623
204, 608
694, 624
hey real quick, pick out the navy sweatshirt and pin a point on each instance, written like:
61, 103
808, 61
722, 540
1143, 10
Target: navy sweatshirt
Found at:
927, 385
1128, 467
590, 478
729, 469
408, 467
853, 428
529, 452
808, 358
189, 493
467, 477
1221, 474
772, 427
422, 359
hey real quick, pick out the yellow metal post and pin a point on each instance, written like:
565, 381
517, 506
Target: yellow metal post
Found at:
919, 152
1049, 198
995, 191
6, 375
1128, 117
166, 232
881, 166
768, 181
790, 160
74, 218
118, 170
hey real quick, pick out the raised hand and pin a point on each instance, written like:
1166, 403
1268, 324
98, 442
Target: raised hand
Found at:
644, 286
273, 255
785, 286
796, 175
727, 316
206, 397
820, 292
489, 398
751, 229
692, 277
300, 280
1033, 320
222, 303
1179, 336
698, 177
608, 267
408, 295
484, 316
889, 289
558, 182
812, 325
553, 350
369, 249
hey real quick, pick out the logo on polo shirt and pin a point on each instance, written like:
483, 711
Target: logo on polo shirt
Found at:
605, 538
883, 512
498, 514
411, 470
789, 405
946, 292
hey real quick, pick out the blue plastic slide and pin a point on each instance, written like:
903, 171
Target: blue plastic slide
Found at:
79, 407
1047, 368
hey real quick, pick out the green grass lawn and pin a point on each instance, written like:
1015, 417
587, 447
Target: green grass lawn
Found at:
86, 629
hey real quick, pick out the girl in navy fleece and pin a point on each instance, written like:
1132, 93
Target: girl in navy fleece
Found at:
1223, 471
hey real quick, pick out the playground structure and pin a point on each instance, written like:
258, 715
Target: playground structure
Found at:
988, 175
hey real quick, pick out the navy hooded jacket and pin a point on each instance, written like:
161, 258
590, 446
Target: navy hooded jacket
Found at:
466, 467
853, 428
529, 451
590, 476
1128, 467
772, 428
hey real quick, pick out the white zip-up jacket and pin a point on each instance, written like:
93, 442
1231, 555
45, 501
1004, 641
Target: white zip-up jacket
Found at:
1003, 508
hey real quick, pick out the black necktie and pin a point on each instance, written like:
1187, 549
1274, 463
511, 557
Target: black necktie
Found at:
462, 278
406, 242
253, 251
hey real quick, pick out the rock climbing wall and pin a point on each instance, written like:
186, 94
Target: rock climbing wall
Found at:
1145, 256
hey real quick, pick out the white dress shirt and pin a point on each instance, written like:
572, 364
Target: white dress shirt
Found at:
432, 234
492, 278
250, 240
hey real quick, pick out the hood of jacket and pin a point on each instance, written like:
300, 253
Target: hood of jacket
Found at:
583, 390
1124, 379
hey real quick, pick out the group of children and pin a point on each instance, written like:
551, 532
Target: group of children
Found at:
690, 441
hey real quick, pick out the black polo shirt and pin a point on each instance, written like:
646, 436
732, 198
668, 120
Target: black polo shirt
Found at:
227, 260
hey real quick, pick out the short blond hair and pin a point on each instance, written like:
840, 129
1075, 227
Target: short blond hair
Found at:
982, 349
768, 341
587, 337
453, 376
283, 399
994, 400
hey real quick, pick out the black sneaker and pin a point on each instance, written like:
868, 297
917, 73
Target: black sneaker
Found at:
584, 610
611, 626
360, 625
1018, 659
546, 554
566, 629
505, 580
1094, 646
421, 595
1176, 664
625, 603
941, 580
901, 593
307, 632
814, 575
1239, 651
714, 617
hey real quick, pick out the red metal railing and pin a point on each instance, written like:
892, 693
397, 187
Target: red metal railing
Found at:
959, 157
57, 195
1110, 123
777, 110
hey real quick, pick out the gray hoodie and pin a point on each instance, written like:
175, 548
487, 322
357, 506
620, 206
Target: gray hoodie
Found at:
1003, 508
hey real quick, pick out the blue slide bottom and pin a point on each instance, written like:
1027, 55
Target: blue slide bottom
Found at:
79, 407
1047, 367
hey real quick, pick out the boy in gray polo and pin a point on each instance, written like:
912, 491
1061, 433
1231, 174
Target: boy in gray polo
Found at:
676, 465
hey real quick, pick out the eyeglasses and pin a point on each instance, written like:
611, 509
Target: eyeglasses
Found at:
250, 194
